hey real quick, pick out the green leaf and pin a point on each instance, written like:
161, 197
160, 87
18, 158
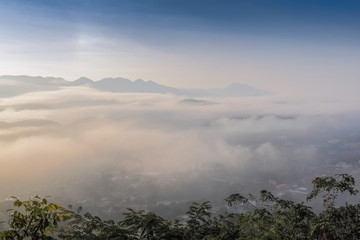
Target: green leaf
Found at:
18, 203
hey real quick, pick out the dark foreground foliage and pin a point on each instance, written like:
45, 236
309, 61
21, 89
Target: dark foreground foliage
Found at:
266, 217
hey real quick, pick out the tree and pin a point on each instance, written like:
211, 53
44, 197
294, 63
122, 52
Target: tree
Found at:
335, 223
264, 217
36, 219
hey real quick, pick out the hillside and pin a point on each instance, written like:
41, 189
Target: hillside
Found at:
16, 85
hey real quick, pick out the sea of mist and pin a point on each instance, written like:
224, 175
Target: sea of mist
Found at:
101, 149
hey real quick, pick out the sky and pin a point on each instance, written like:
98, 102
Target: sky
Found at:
283, 46
306, 54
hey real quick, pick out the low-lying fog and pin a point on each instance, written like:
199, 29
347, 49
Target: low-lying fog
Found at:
109, 151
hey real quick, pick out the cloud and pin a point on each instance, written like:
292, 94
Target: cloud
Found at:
74, 134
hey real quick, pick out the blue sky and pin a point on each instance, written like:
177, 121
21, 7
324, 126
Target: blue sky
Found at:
279, 45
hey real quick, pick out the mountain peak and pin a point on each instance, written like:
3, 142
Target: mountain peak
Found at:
83, 81
139, 81
35, 79
30, 84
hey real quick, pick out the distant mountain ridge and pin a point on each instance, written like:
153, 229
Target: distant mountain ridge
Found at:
15, 85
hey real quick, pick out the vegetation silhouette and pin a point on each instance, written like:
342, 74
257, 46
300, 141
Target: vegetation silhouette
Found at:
265, 217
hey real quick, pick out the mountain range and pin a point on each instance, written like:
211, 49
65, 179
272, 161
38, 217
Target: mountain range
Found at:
16, 85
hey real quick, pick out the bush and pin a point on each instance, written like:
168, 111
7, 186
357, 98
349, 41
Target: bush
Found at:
266, 217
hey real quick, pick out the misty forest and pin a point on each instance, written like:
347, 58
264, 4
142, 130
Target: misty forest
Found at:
179, 119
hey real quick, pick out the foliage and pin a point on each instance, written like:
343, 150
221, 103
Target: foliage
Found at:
36, 219
265, 217
336, 223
